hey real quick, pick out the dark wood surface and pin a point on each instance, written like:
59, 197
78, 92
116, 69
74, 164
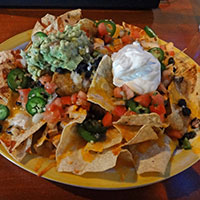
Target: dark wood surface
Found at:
177, 21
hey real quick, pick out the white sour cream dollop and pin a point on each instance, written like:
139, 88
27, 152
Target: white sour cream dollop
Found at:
136, 68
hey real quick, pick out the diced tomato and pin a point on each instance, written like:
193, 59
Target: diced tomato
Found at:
162, 117
128, 92
174, 133
74, 98
18, 63
23, 96
127, 39
66, 100
82, 95
83, 103
45, 79
82, 100
54, 111
171, 53
118, 92
107, 119
159, 109
163, 47
102, 29
107, 38
157, 98
143, 100
135, 33
50, 87
119, 111
52, 116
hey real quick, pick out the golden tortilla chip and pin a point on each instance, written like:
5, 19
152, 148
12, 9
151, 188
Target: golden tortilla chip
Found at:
153, 156
73, 153
137, 134
113, 137
101, 88
140, 119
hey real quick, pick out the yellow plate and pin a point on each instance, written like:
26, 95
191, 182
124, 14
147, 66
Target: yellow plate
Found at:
106, 180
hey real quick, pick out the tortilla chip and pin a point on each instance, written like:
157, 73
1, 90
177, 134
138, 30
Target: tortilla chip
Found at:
137, 134
21, 137
153, 156
37, 28
113, 137
88, 26
72, 157
48, 19
21, 151
101, 88
71, 18
140, 119
6, 56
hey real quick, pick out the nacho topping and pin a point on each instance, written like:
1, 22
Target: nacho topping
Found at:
136, 68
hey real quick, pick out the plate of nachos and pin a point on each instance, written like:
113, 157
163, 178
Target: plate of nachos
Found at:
95, 104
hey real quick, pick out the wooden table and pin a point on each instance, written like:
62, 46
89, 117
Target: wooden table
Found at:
177, 21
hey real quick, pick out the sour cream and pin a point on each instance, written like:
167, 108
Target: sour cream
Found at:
136, 68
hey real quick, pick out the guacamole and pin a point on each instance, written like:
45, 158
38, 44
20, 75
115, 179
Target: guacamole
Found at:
57, 50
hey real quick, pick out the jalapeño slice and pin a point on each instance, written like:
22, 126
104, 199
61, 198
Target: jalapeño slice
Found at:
86, 135
39, 35
35, 105
17, 79
149, 32
38, 92
157, 53
4, 112
110, 26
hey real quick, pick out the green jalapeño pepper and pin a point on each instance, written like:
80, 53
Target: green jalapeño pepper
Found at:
17, 79
110, 26
39, 35
35, 105
132, 105
157, 53
4, 112
149, 32
92, 130
86, 135
38, 92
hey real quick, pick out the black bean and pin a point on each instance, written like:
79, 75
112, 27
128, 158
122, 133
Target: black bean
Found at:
171, 61
186, 111
182, 102
190, 135
39, 84
1, 128
82, 67
18, 103
96, 62
174, 69
60, 70
88, 74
